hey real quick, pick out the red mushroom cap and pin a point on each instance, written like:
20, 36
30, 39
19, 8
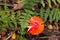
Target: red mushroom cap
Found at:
36, 25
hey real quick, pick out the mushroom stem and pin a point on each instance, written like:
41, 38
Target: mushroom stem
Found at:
29, 27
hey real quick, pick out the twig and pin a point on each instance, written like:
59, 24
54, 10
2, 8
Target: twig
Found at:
1, 3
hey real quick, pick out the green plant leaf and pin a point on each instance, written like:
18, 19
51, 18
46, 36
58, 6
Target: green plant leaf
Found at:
42, 2
49, 2
54, 2
58, 1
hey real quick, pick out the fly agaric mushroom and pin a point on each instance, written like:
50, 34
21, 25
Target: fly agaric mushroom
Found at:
35, 26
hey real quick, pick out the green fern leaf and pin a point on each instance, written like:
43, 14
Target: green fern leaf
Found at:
46, 14
58, 1
42, 2
54, 2
49, 3
41, 14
